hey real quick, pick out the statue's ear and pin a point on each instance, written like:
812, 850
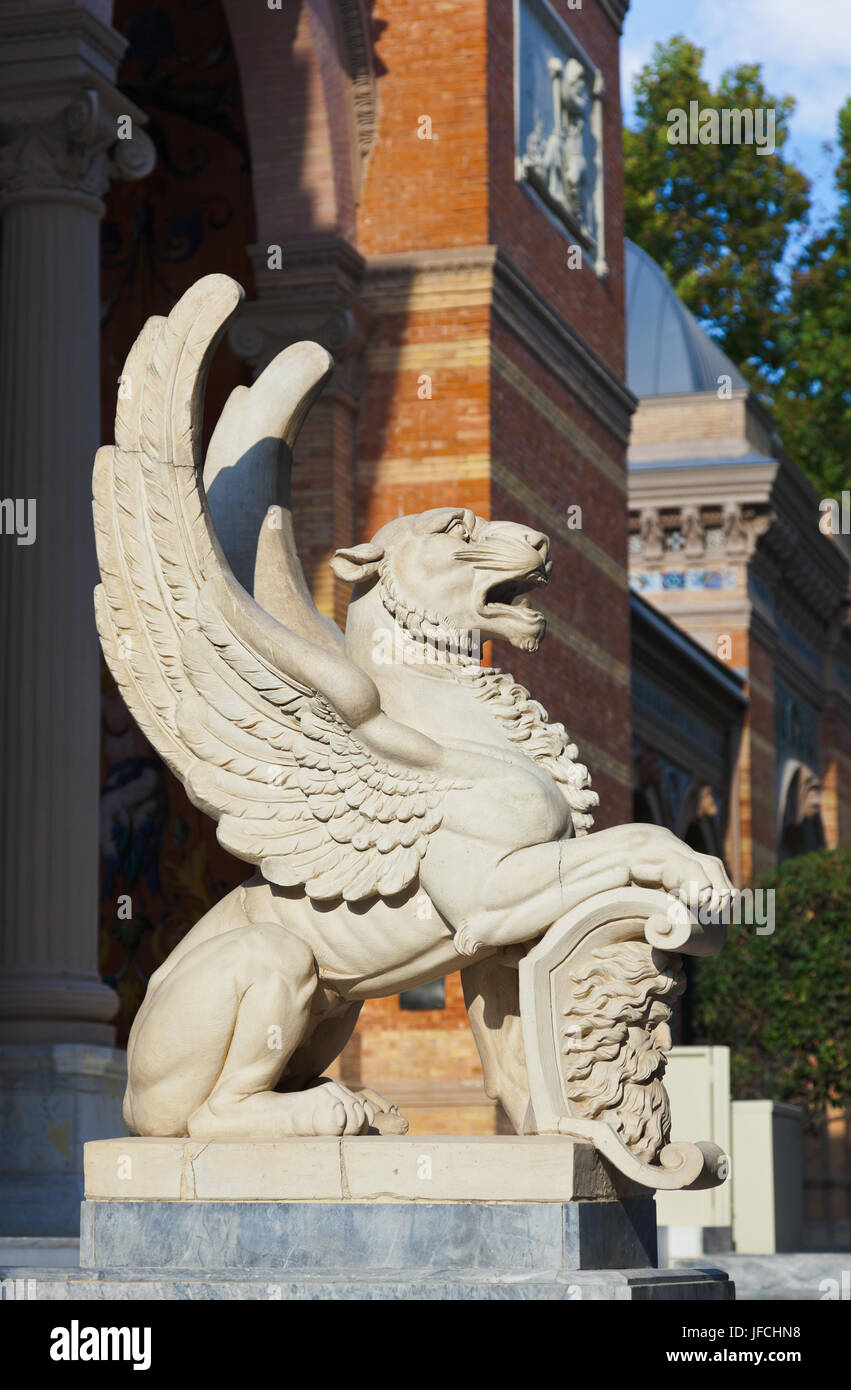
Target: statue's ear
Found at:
358, 562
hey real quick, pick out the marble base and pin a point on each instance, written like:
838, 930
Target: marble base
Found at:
369, 1236
365, 1203
53, 1098
375, 1217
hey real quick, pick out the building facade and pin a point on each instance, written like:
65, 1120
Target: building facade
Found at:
728, 541
435, 194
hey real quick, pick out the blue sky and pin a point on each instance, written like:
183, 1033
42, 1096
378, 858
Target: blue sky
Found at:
804, 47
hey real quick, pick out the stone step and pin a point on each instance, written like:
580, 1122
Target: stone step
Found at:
335, 1285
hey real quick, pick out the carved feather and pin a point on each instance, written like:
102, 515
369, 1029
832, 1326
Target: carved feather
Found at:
252, 716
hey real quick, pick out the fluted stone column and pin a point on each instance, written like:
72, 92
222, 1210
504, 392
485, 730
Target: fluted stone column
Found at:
59, 123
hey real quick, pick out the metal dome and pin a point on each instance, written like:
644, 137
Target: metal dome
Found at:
668, 353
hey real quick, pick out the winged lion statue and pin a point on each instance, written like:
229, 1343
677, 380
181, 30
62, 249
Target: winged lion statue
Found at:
404, 818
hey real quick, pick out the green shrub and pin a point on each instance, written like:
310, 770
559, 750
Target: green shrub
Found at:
782, 1003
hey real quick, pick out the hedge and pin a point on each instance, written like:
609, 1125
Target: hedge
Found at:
782, 1002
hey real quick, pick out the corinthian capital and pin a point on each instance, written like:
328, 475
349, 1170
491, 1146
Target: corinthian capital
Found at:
73, 147
65, 129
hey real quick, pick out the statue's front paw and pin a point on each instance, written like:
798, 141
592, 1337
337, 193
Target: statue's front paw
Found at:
659, 860
386, 1117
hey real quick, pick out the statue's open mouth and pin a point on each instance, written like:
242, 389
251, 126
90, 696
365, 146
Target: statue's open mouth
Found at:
513, 594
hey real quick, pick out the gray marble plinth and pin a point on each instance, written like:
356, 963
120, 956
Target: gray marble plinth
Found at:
369, 1236
53, 1098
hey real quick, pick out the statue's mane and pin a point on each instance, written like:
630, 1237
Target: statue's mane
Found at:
522, 719
607, 1073
525, 721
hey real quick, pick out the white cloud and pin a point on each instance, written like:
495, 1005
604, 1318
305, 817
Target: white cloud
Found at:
804, 47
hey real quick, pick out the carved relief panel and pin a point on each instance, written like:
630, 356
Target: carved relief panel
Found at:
559, 125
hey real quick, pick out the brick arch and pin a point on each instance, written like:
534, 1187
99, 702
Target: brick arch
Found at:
308, 95
800, 827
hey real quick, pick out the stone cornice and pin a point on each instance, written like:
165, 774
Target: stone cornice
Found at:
485, 275
795, 497
307, 263
805, 575
59, 109
704, 482
560, 348
315, 295
784, 540
615, 10
57, 42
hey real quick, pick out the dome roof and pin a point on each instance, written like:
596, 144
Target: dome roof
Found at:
667, 352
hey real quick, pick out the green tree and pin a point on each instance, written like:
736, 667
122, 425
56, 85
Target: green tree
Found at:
717, 218
811, 398
782, 1002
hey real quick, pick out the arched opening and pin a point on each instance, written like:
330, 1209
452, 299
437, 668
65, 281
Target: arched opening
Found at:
800, 828
700, 820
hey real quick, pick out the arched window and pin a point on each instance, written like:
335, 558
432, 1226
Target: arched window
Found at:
700, 820
799, 823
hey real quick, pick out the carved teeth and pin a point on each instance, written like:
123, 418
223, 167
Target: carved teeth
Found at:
514, 592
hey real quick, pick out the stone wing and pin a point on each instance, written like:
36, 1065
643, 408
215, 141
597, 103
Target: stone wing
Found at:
259, 721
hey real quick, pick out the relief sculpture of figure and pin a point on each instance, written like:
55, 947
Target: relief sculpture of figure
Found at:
405, 818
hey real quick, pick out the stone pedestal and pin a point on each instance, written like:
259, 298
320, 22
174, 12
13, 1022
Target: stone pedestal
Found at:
435, 1218
52, 1099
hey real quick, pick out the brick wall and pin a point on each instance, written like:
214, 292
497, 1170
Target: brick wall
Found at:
759, 795
296, 115
836, 781
539, 471
426, 193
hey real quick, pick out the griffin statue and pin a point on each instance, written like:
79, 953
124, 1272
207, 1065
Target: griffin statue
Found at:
407, 812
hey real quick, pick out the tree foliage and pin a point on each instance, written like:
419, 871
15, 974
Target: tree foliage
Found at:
720, 219
782, 1002
811, 400
716, 217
